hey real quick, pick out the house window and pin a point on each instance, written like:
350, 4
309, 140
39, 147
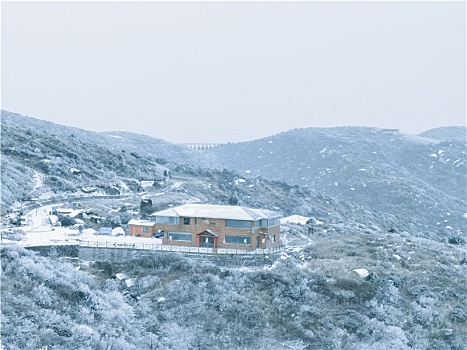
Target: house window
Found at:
167, 220
186, 221
145, 229
196, 221
237, 223
180, 236
273, 239
269, 222
231, 239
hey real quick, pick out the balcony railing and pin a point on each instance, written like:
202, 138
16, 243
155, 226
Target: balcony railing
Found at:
182, 249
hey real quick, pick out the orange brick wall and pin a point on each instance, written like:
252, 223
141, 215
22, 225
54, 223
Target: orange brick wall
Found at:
136, 230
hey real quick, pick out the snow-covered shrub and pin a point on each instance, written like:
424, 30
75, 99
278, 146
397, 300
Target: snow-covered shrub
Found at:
13, 234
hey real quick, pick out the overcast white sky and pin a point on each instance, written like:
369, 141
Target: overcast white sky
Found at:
235, 71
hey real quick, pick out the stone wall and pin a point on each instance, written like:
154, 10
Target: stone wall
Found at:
228, 260
58, 251
120, 254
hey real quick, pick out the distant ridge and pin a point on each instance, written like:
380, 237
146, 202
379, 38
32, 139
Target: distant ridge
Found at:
447, 133
115, 140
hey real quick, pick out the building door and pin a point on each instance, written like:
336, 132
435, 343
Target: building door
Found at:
207, 239
207, 242
257, 242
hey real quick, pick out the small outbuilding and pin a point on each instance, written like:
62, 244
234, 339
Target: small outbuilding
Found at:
143, 228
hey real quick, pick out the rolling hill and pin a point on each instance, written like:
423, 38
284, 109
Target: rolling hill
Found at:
412, 177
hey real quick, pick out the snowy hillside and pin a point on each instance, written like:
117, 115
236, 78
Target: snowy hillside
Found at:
414, 183
114, 140
447, 133
310, 298
414, 178
43, 160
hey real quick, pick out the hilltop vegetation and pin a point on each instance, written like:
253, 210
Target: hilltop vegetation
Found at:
414, 298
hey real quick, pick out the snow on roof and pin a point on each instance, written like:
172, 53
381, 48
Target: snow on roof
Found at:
218, 212
75, 213
141, 222
295, 219
64, 210
210, 232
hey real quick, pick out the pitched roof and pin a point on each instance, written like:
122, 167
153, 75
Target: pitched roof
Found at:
210, 232
141, 222
218, 212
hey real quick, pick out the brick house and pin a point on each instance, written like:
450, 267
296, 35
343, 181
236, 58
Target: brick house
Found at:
143, 228
217, 226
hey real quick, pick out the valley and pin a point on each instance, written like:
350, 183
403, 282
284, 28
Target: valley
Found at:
384, 266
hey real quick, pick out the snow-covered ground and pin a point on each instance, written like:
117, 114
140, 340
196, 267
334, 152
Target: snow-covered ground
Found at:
38, 181
39, 232
176, 186
295, 219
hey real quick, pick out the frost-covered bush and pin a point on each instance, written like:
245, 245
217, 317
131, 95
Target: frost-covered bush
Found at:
56, 305
148, 283
312, 298
66, 220
13, 234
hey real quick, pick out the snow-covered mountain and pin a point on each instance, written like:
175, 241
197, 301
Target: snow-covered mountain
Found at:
415, 178
45, 160
416, 183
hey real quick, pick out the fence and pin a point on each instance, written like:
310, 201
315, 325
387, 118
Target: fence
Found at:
171, 248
